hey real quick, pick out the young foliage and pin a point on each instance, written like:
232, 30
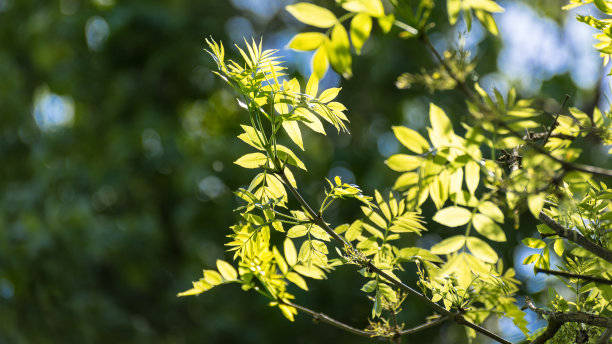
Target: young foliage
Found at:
510, 160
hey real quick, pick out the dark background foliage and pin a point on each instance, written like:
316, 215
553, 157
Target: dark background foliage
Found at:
106, 216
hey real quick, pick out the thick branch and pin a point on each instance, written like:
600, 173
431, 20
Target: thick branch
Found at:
318, 220
605, 336
571, 275
576, 237
557, 319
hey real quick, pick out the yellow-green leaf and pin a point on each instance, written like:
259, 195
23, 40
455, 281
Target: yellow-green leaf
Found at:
454, 8
290, 252
312, 15
492, 211
482, 250
293, 130
533, 243
320, 62
372, 7
285, 154
329, 94
227, 271
288, 311
312, 86
338, 51
485, 5
297, 280
487, 21
361, 25
536, 203
453, 216
386, 22
489, 229
441, 125
307, 41
449, 245
411, 139
404, 162
251, 160
472, 175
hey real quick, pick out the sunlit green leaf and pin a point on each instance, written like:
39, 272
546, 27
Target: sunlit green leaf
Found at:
361, 25
403, 162
489, 229
338, 51
449, 245
482, 250
453, 216
411, 139
307, 41
252, 160
312, 14
227, 271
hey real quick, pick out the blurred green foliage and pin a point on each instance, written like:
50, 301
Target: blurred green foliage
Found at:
106, 215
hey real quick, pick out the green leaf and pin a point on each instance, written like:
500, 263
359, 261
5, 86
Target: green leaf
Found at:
449, 245
320, 62
307, 41
374, 217
441, 125
558, 247
338, 51
386, 23
411, 139
472, 176
489, 229
491, 210
403, 162
372, 7
309, 271
361, 25
354, 231
297, 280
416, 252
453, 216
536, 203
486, 19
370, 286
251, 160
603, 6
297, 231
312, 14
485, 5
454, 8
290, 252
533, 243
482, 250
285, 154
227, 271
329, 94
293, 131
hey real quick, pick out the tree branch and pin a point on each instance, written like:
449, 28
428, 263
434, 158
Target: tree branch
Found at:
331, 321
568, 166
571, 275
554, 123
576, 237
328, 320
318, 220
557, 319
605, 336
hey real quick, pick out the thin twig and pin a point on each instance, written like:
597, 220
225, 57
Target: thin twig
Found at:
571, 275
318, 220
576, 237
465, 88
424, 326
329, 320
554, 123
